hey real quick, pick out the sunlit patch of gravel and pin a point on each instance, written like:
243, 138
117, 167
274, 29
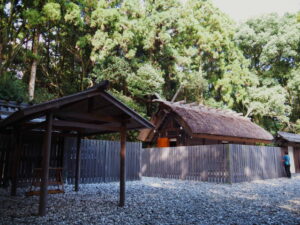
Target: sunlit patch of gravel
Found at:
163, 201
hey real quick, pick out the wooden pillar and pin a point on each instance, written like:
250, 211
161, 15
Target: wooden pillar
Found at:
16, 156
78, 163
122, 165
45, 165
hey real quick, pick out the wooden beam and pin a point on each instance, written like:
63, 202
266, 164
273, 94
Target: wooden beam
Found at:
228, 138
87, 116
39, 110
45, 165
90, 105
129, 112
79, 125
30, 126
122, 165
78, 163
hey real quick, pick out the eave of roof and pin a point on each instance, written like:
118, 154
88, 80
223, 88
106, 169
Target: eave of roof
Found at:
36, 111
203, 120
289, 136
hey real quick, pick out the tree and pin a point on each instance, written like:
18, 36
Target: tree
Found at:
271, 43
190, 44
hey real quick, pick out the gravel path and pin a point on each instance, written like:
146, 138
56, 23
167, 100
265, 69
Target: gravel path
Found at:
163, 201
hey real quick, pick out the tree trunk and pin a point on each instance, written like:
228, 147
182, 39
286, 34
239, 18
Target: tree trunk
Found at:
34, 65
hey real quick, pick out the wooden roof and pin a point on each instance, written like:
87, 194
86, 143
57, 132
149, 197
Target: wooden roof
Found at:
9, 107
203, 120
290, 137
93, 111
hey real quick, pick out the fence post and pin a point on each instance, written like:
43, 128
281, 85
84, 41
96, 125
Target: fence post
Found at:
140, 153
105, 161
229, 162
66, 158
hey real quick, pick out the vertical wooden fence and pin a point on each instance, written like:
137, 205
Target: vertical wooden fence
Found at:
213, 163
100, 160
4, 157
255, 162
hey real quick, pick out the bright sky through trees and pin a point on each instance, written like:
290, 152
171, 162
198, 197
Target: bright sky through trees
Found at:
240, 10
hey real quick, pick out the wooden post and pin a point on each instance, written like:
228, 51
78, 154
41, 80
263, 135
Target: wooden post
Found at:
229, 162
45, 165
78, 163
16, 156
122, 165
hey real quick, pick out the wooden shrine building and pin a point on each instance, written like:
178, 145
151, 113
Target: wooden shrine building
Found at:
290, 143
181, 124
90, 112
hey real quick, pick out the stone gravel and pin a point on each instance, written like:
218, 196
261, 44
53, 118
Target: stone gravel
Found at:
162, 201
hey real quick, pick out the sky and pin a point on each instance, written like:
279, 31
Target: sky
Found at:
240, 10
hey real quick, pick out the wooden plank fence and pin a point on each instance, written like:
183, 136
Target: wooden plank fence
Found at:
100, 159
4, 157
213, 163
255, 162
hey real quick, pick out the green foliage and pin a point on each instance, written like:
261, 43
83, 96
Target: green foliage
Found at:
51, 11
129, 102
146, 81
147, 47
12, 88
72, 15
190, 44
43, 95
271, 43
269, 102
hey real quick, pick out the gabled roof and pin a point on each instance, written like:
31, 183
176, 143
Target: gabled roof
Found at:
93, 111
289, 136
205, 120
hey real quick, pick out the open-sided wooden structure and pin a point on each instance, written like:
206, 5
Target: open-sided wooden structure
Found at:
290, 143
182, 124
90, 112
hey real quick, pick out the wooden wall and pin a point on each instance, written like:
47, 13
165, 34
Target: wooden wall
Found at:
227, 163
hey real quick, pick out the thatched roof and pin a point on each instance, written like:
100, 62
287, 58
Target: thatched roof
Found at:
201, 119
289, 136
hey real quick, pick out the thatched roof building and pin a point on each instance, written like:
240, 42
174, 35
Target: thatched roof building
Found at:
194, 124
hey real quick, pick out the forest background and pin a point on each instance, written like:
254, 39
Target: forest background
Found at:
145, 48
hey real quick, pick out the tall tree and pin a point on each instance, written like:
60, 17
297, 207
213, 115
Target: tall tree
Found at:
180, 43
271, 43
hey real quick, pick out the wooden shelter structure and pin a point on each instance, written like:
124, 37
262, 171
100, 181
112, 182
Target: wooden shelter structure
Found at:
90, 112
290, 143
181, 124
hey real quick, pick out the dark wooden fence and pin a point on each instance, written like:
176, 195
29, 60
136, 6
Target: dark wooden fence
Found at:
255, 163
213, 163
4, 157
100, 159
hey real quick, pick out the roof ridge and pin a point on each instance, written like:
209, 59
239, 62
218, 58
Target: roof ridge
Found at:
201, 107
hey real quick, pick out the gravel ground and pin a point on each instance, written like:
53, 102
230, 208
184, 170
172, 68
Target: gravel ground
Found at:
163, 201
